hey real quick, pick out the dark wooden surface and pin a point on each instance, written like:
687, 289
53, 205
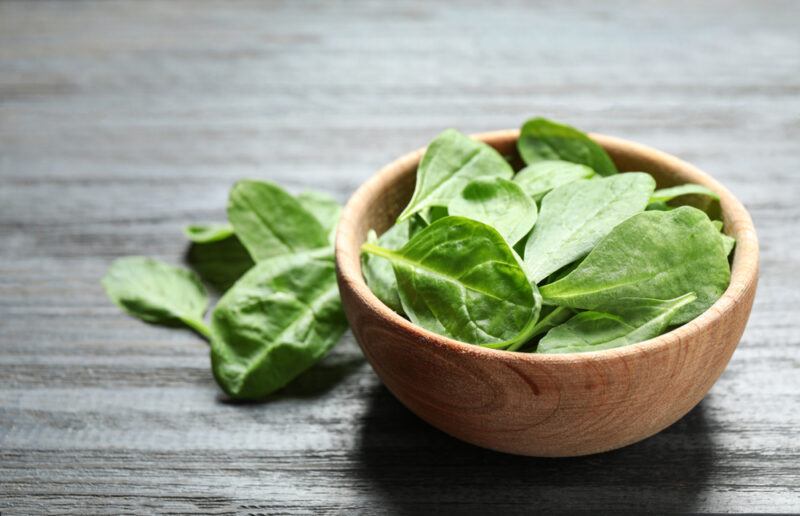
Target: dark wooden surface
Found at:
122, 122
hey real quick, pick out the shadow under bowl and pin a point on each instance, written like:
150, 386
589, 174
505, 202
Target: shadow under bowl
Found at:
544, 405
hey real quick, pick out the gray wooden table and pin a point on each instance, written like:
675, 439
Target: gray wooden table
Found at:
122, 122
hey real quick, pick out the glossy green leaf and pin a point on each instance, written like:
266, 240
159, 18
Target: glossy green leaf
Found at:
277, 321
270, 222
377, 271
642, 319
459, 278
157, 292
728, 242
575, 216
668, 194
324, 208
538, 178
207, 233
220, 262
541, 139
449, 163
499, 203
655, 254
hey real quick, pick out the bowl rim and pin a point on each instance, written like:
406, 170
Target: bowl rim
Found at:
744, 268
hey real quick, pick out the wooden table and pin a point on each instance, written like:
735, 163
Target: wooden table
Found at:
122, 122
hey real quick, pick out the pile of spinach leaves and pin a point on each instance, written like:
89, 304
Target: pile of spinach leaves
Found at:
565, 255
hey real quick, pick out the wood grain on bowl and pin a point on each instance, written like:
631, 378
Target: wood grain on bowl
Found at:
545, 405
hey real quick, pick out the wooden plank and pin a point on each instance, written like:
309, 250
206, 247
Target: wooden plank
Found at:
121, 122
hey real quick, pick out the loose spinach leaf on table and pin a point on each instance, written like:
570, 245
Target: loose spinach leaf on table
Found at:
654, 254
278, 320
538, 178
541, 139
157, 292
324, 208
207, 233
499, 203
270, 222
575, 216
219, 262
640, 320
449, 163
458, 277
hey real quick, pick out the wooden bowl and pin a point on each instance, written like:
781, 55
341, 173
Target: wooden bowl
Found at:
544, 405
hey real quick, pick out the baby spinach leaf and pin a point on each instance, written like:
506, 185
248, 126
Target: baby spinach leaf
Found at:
555, 316
157, 292
277, 321
593, 331
220, 262
541, 139
542, 176
728, 243
449, 163
324, 208
655, 254
207, 233
668, 194
378, 272
499, 203
575, 216
270, 222
458, 277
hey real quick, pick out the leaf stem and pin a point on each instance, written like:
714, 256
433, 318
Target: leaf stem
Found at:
198, 326
370, 248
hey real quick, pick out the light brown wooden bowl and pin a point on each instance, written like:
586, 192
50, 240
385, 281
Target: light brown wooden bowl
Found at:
544, 405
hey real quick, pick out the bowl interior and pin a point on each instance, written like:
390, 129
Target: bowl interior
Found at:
376, 204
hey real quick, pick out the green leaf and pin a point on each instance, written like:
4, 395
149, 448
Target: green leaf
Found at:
655, 254
449, 163
541, 139
537, 179
642, 319
207, 233
276, 322
220, 262
668, 194
555, 316
157, 292
499, 203
324, 208
459, 278
270, 222
728, 243
575, 216
378, 272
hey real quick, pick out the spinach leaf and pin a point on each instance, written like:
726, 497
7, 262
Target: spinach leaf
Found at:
220, 262
207, 233
499, 203
555, 316
324, 208
668, 194
449, 163
270, 222
378, 272
459, 278
538, 178
541, 139
593, 331
688, 194
728, 243
575, 216
157, 292
655, 254
278, 320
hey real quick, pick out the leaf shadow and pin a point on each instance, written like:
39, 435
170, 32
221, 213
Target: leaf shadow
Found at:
410, 465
